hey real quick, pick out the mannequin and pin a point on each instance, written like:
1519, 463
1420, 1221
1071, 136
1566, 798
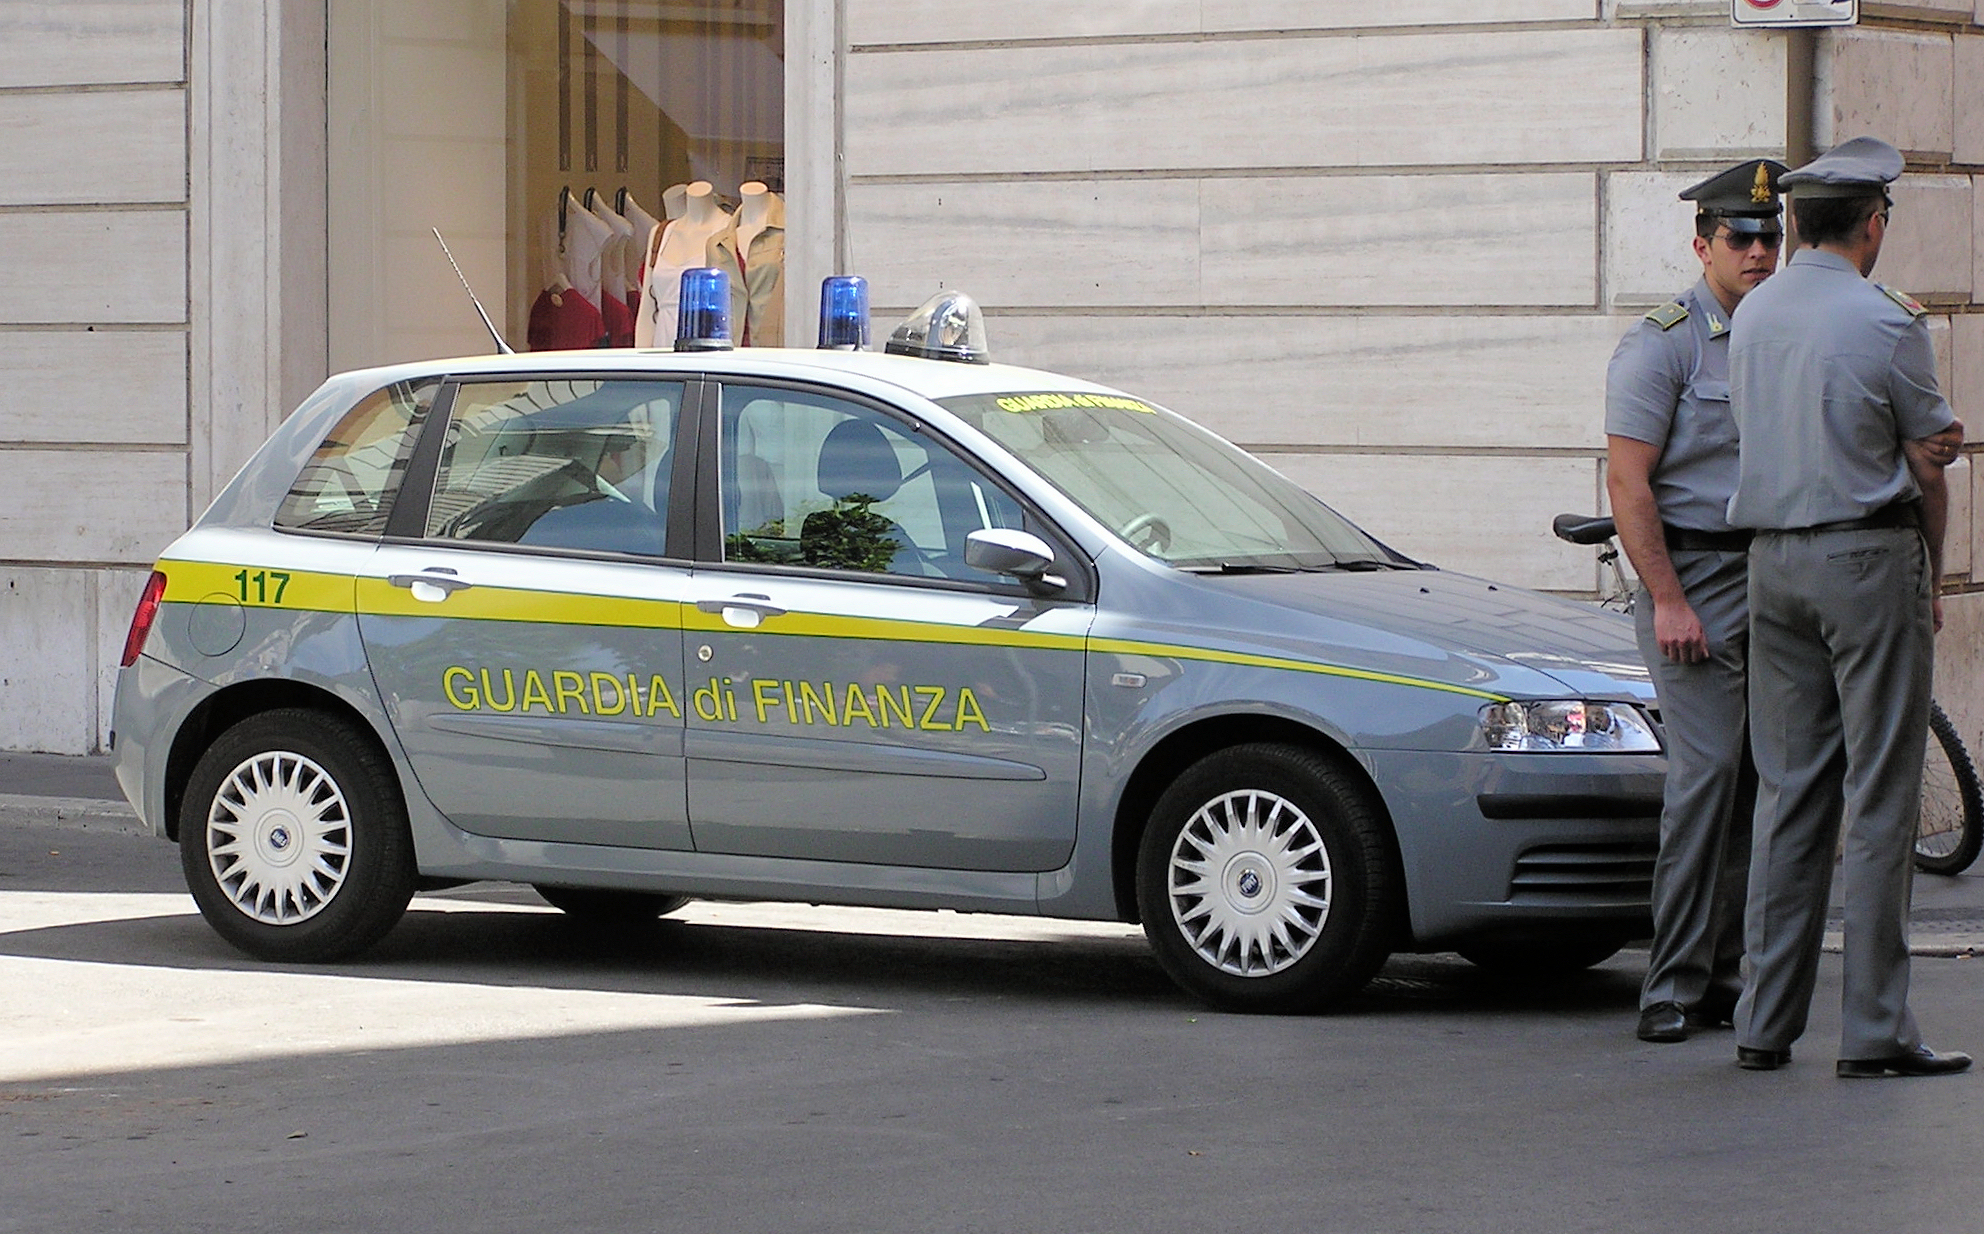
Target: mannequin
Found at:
681, 245
615, 281
752, 252
674, 200
644, 229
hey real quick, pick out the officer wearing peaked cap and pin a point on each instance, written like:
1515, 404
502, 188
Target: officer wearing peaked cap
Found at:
1671, 450
1843, 440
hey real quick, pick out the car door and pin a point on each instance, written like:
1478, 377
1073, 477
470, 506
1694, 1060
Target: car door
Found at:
524, 624
854, 692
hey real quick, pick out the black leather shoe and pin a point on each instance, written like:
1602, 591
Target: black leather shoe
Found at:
1663, 1022
1713, 1013
1750, 1058
1920, 1061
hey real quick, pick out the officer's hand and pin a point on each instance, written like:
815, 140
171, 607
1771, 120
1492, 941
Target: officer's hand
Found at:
1941, 449
1936, 611
1679, 633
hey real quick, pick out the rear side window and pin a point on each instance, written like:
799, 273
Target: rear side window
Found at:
570, 464
347, 487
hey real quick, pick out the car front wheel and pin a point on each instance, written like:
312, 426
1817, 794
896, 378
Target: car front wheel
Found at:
1266, 883
294, 840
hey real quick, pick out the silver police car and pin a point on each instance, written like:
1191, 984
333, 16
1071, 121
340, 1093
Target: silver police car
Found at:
867, 629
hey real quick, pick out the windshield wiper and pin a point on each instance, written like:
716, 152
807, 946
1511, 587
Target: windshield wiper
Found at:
1362, 564
1241, 567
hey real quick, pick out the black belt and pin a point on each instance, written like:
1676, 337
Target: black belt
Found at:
1688, 540
1895, 514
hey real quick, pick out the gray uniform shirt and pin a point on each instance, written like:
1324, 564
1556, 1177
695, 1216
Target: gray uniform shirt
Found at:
1670, 388
1829, 375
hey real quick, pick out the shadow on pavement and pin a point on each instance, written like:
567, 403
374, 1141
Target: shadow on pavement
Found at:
776, 964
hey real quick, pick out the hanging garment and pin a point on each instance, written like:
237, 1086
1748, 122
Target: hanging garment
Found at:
562, 320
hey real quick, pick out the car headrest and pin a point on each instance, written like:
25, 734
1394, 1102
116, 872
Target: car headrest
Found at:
855, 458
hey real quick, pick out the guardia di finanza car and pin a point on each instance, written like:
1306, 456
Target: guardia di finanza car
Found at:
867, 629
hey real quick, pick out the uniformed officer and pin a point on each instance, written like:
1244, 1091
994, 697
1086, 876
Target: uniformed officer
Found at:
1671, 467
1834, 392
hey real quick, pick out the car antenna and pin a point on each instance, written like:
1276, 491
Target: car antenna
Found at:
487, 324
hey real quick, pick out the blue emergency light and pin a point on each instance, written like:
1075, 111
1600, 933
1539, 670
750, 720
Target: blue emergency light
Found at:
844, 313
703, 317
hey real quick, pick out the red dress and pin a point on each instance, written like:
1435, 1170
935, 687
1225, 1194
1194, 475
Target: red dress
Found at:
619, 321
565, 320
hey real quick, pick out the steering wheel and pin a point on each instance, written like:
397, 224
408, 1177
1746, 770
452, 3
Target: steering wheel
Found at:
1155, 531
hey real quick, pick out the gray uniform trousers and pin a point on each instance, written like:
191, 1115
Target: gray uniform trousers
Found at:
1700, 877
1841, 652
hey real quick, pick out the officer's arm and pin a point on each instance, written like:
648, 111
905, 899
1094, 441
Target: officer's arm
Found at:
1923, 462
1629, 484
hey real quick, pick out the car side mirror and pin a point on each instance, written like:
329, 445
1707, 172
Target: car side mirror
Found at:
1004, 550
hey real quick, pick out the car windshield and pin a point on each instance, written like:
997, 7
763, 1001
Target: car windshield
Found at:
1173, 490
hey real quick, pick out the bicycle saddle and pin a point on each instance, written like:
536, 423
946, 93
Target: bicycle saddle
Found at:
1584, 528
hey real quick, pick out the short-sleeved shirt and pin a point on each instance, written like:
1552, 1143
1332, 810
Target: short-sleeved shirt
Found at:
1669, 387
1829, 375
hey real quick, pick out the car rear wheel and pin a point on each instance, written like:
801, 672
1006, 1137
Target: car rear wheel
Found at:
604, 906
293, 837
1266, 883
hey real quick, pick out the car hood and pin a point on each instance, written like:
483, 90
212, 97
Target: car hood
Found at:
1442, 626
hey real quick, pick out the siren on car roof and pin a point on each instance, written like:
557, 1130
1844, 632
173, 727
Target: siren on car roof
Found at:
844, 313
947, 326
702, 321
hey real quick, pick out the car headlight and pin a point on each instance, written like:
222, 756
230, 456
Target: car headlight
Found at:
1568, 725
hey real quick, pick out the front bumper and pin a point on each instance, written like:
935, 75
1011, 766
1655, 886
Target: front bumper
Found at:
1509, 843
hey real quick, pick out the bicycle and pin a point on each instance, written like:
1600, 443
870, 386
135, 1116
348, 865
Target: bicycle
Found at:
1951, 829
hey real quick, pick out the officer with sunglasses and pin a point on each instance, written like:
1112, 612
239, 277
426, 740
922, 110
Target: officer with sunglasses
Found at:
1671, 468
1843, 440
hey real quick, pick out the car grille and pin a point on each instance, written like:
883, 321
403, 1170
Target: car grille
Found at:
1585, 874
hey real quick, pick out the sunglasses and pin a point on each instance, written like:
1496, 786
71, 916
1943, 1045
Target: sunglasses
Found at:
1742, 241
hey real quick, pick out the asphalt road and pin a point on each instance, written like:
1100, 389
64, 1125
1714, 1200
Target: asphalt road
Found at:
490, 1068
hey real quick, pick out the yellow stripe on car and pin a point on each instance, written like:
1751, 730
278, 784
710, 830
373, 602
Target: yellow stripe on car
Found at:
212, 582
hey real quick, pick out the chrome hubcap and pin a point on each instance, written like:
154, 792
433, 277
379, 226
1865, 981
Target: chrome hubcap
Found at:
1249, 883
279, 838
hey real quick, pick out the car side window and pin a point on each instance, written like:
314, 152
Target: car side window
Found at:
348, 486
811, 480
574, 464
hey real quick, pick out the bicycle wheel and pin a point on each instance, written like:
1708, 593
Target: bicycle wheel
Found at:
1951, 828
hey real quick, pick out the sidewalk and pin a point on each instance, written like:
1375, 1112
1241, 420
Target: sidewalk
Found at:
1948, 916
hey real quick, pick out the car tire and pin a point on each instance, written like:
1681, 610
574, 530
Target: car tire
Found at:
1547, 959
607, 907
294, 840
1303, 905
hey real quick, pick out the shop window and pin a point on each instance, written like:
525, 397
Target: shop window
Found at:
567, 150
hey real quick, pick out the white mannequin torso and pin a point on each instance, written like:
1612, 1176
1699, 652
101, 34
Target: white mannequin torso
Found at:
682, 245
753, 212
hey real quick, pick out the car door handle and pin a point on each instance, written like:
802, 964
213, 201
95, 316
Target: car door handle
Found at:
433, 586
745, 610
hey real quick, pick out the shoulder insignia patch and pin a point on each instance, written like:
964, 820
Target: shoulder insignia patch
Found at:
1902, 298
1669, 315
